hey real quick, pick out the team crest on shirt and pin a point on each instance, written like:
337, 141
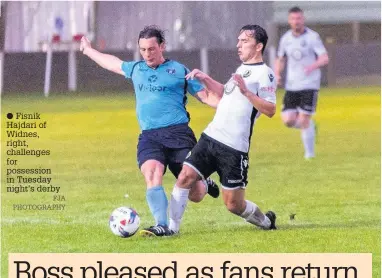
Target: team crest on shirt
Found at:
229, 87
246, 73
303, 43
271, 77
297, 54
153, 78
170, 71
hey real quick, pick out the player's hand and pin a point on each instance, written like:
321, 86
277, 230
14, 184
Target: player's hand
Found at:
239, 82
85, 44
308, 70
196, 73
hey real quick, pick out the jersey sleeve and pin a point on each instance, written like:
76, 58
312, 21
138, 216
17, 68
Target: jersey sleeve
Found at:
318, 46
281, 50
267, 87
127, 68
193, 86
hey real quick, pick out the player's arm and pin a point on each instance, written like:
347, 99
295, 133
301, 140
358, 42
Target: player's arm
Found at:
322, 55
107, 61
265, 104
279, 68
321, 61
213, 87
280, 61
212, 92
208, 98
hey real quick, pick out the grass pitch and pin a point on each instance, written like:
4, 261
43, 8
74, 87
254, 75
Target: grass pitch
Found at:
92, 139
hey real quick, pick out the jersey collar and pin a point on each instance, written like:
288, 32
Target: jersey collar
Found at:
304, 32
254, 64
165, 61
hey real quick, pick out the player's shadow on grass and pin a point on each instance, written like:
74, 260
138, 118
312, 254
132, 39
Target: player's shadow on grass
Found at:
351, 224
295, 225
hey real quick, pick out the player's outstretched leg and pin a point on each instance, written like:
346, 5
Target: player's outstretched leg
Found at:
156, 198
200, 188
234, 199
179, 196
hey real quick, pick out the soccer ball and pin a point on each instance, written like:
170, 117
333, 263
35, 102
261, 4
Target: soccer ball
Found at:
124, 222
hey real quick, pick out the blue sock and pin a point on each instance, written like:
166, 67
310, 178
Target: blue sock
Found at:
157, 200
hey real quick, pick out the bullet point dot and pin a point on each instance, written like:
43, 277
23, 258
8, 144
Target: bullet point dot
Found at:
9, 115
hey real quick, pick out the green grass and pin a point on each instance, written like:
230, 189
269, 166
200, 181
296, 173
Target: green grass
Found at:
93, 139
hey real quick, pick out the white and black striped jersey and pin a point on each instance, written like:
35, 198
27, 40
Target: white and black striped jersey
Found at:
235, 115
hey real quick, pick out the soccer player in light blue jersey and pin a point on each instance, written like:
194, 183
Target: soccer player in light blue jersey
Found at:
161, 95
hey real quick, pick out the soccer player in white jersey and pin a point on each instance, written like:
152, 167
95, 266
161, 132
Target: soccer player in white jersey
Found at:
305, 55
224, 144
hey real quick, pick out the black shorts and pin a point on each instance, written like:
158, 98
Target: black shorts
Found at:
168, 145
209, 156
304, 101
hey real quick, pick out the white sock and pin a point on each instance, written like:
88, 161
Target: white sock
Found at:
178, 203
308, 136
253, 215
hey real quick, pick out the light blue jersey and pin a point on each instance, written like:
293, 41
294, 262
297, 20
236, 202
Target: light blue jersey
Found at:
161, 93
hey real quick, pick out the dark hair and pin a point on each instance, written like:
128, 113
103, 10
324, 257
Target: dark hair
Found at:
259, 34
295, 10
152, 31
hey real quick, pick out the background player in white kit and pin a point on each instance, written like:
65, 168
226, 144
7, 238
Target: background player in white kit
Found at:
224, 144
305, 53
